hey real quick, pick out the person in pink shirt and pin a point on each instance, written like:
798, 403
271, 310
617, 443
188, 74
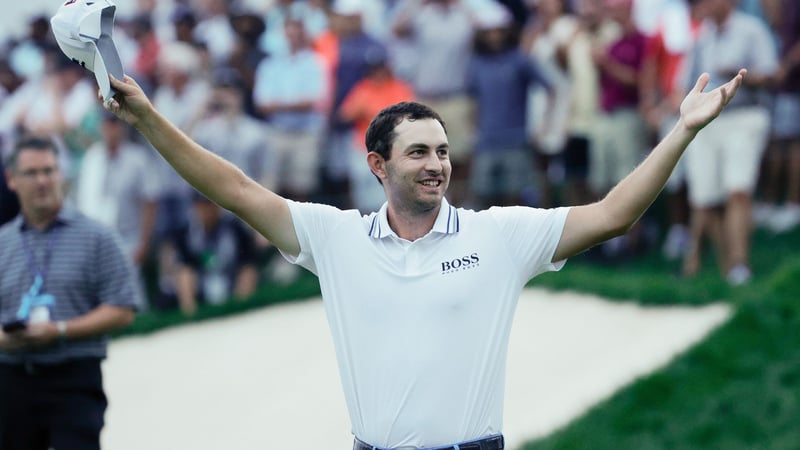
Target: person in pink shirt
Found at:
620, 137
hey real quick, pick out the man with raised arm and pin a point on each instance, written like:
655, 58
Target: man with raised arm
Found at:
420, 295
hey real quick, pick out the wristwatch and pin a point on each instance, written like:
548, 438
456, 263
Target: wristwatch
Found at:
61, 326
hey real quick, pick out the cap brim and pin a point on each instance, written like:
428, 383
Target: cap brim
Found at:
106, 62
106, 59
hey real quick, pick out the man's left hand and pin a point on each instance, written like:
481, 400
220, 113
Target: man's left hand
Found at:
699, 108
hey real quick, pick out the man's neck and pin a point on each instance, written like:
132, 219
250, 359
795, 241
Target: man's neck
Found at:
412, 225
42, 219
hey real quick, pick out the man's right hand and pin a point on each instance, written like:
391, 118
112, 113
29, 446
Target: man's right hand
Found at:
130, 102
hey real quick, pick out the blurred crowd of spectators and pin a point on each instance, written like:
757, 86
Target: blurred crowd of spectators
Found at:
547, 103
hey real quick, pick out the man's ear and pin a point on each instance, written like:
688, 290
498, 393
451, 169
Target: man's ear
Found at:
377, 164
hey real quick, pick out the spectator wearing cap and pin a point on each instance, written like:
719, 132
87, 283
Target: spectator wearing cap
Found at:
442, 32
28, 57
289, 91
498, 78
378, 90
519, 10
344, 51
215, 29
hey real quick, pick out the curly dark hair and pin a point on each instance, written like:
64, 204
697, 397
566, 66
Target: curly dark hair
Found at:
381, 134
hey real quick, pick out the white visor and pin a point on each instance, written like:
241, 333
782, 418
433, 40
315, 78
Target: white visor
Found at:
83, 30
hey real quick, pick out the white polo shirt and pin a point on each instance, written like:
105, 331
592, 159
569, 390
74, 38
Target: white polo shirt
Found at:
421, 328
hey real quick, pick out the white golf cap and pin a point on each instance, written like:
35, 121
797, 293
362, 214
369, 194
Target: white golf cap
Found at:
83, 31
493, 15
348, 7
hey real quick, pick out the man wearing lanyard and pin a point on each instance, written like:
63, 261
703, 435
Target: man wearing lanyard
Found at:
65, 282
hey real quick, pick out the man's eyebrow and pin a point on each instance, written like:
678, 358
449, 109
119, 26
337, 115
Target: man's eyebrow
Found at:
418, 145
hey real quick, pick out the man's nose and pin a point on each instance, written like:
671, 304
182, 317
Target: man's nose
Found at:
433, 163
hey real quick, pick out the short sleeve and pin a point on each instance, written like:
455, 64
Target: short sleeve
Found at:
531, 236
315, 224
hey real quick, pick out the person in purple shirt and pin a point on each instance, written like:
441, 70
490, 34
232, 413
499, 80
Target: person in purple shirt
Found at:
621, 137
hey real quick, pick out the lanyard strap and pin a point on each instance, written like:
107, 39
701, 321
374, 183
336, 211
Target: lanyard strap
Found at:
36, 270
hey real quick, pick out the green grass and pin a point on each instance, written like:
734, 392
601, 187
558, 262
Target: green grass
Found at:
739, 389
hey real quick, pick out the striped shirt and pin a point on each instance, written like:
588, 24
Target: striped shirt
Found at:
83, 267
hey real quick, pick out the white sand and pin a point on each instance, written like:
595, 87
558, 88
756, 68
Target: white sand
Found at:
268, 380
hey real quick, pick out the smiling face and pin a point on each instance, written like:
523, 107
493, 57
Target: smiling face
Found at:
417, 174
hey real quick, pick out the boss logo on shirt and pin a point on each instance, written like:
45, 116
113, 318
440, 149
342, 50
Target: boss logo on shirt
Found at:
459, 264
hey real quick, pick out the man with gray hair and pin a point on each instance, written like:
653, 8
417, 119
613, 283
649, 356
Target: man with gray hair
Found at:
65, 283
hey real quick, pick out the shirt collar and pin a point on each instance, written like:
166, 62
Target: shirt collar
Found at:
447, 222
65, 215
